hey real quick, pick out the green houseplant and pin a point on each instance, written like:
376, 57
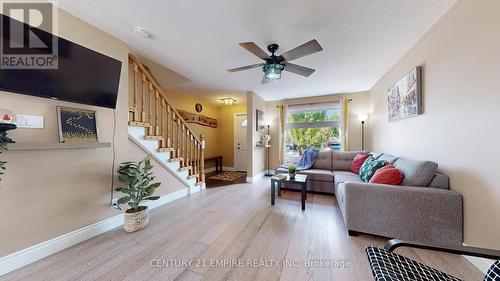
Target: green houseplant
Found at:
139, 178
3, 146
292, 170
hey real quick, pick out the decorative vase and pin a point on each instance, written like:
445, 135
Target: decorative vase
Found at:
292, 176
7, 122
136, 221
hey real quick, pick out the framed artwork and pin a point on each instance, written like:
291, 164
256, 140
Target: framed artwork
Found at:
198, 119
405, 96
260, 126
77, 125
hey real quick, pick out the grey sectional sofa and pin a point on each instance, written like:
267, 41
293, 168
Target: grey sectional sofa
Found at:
422, 208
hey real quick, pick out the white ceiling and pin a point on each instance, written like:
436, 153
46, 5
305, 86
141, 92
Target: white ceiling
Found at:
199, 40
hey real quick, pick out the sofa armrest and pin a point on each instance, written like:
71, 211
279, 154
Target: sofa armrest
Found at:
404, 212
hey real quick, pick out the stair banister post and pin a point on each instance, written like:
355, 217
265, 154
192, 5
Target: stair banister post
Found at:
202, 158
143, 101
151, 116
134, 91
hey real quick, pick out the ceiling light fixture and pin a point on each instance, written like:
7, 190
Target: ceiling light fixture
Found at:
228, 101
273, 71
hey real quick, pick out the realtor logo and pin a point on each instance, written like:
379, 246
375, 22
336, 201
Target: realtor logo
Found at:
26, 35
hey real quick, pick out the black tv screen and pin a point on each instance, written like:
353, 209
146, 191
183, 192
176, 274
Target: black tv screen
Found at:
82, 75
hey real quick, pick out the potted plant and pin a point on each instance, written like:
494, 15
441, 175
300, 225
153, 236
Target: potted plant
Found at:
2, 163
138, 177
292, 170
3, 146
7, 122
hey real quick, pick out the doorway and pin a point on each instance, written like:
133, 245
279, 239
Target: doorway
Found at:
240, 141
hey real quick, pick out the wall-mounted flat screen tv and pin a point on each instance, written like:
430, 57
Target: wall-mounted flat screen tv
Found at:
82, 75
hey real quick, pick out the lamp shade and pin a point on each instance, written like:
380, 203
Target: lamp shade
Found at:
363, 117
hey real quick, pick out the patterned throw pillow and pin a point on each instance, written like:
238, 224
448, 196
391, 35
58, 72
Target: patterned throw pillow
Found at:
357, 162
369, 168
387, 175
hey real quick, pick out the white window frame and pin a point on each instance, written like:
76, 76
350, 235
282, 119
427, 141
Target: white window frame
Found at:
330, 124
311, 108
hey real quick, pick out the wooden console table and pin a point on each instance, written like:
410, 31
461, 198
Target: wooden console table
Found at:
218, 162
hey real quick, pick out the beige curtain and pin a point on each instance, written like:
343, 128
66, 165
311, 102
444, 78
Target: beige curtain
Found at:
282, 132
345, 124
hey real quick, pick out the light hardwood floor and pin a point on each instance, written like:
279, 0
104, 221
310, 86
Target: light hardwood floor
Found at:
231, 224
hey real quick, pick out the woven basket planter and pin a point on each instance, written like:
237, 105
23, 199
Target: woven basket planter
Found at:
136, 221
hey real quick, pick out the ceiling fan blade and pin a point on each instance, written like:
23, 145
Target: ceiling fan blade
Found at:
254, 49
265, 80
305, 49
298, 69
245, 67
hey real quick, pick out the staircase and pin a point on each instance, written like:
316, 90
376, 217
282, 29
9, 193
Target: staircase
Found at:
157, 127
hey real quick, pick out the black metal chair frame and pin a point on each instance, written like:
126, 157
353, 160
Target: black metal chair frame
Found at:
459, 250
493, 272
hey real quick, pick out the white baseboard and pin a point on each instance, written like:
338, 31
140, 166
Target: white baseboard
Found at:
39, 251
255, 178
480, 263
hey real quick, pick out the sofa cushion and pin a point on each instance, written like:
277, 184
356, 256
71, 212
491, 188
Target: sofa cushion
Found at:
387, 175
357, 162
317, 174
440, 181
376, 155
324, 160
388, 158
342, 160
369, 168
344, 176
417, 173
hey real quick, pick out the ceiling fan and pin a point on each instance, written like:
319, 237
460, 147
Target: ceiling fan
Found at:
274, 65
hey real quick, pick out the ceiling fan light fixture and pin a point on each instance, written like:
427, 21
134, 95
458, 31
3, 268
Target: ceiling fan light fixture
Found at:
228, 101
273, 71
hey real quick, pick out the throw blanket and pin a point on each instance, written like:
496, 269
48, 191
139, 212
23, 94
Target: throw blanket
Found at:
307, 159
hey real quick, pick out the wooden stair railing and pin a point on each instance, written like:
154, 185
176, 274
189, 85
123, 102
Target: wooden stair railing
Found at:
151, 108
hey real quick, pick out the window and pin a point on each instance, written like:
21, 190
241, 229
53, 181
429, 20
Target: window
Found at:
311, 126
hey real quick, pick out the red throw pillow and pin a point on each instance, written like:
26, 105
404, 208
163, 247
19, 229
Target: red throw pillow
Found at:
387, 175
357, 162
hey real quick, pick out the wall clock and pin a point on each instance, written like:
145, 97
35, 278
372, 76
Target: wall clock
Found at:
198, 107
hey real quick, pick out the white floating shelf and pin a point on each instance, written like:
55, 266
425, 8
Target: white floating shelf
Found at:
49, 146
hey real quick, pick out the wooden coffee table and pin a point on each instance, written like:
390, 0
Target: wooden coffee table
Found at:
299, 180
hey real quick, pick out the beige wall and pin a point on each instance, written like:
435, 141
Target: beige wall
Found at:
461, 97
49, 193
256, 155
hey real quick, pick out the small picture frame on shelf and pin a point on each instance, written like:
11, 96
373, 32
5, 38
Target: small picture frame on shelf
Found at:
77, 125
260, 126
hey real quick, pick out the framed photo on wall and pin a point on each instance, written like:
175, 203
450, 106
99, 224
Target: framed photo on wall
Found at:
260, 126
77, 125
405, 96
